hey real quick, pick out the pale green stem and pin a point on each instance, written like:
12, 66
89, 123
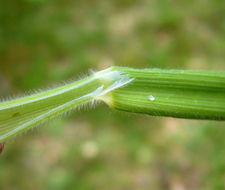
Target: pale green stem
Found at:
21, 114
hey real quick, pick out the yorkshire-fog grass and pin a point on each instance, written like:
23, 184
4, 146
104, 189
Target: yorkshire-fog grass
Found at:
173, 93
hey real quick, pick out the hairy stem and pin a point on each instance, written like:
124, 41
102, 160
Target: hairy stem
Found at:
21, 114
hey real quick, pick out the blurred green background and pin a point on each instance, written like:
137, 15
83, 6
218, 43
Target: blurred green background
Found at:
44, 42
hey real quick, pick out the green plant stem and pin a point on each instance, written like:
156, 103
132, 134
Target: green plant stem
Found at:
174, 93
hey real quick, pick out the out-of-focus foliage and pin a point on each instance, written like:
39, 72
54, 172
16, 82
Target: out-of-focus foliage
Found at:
43, 42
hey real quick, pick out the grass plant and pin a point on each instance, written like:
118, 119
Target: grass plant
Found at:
173, 93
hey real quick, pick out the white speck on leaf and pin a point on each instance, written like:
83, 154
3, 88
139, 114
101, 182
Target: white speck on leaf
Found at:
152, 98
